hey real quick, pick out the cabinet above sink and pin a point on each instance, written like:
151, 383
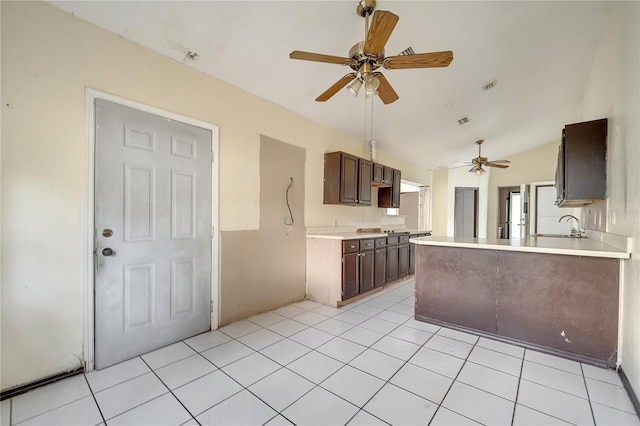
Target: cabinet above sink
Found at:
581, 173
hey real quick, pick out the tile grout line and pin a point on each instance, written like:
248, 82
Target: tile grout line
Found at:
515, 404
455, 379
50, 409
170, 391
549, 387
586, 388
93, 395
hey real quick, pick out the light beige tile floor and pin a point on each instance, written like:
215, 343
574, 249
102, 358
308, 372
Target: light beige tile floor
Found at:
366, 363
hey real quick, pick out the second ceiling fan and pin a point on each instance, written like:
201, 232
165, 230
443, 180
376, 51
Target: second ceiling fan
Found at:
480, 161
367, 56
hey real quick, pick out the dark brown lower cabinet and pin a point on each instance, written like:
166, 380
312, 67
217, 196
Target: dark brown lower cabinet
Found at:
412, 251
403, 260
380, 274
350, 275
392, 263
412, 259
367, 270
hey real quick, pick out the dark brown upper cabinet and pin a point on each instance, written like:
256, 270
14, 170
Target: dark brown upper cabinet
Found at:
365, 171
382, 175
390, 197
388, 175
378, 174
581, 173
347, 179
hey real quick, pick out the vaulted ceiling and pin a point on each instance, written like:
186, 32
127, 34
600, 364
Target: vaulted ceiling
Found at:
539, 54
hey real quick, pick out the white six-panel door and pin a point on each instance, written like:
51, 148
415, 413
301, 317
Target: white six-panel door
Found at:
153, 232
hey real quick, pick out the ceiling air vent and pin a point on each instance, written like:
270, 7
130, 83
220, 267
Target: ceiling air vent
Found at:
489, 85
408, 51
463, 120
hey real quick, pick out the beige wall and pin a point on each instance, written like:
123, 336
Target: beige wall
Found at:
409, 209
439, 201
535, 165
613, 91
273, 257
48, 59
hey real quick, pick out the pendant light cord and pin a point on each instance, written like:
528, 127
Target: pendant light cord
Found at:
371, 133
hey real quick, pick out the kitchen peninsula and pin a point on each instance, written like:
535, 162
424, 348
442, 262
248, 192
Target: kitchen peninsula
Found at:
557, 294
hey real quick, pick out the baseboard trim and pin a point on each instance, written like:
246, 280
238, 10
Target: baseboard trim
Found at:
20, 389
627, 385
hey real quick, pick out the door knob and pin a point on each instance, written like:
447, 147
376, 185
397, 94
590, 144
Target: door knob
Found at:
108, 252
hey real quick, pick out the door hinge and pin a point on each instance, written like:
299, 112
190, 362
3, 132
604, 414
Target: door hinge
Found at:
211, 306
213, 156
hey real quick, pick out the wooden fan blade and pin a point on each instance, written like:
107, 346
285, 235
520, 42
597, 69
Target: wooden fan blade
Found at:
336, 87
379, 32
419, 60
317, 57
385, 92
492, 164
500, 161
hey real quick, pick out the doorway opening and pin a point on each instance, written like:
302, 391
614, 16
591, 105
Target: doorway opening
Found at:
466, 212
415, 206
509, 212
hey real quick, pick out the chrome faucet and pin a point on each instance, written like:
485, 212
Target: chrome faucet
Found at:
575, 232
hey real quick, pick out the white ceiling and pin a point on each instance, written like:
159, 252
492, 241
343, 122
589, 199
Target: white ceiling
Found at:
540, 53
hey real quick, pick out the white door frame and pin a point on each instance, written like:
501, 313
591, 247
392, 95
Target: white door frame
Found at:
89, 208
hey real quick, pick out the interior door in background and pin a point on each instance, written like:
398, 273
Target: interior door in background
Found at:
514, 224
524, 210
466, 212
153, 232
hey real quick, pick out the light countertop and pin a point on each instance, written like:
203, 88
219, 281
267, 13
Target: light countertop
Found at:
549, 245
348, 235
361, 235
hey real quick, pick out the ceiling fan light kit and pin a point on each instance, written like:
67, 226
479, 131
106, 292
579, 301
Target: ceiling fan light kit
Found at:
354, 86
367, 56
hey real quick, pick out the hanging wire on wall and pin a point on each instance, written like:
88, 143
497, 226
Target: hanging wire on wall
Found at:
291, 222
